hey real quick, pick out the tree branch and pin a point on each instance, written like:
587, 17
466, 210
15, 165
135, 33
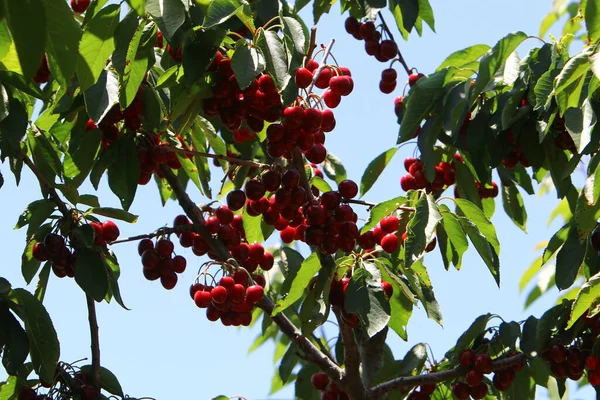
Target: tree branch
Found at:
387, 30
406, 382
232, 160
285, 325
351, 359
159, 232
313, 42
95, 341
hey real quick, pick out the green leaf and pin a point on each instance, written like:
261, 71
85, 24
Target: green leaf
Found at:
382, 210
63, 34
569, 259
580, 123
401, 303
528, 344
219, 11
421, 229
586, 297
124, 173
27, 23
275, 56
320, 184
374, 169
252, 228
8, 389
509, 333
484, 225
365, 297
514, 206
97, 45
555, 243
168, 14
215, 141
592, 20
108, 380
247, 63
310, 266
77, 166
452, 238
43, 342
296, 31
100, 98
16, 343
114, 213
35, 215
495, 59
321, 7
421, 99
136, 66
90, 274
44, 148
139, 7
303, 389
288, 362
333, 168
12, 130
483, 247
466, 340
573, 70
461, 57
413, 360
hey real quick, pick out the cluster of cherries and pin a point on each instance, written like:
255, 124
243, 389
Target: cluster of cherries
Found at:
337, 81
232, 299
337, 298
28, 393
562, 139
415, 179
55, 249
569, 362
42, 75
152, 152
159, 263
324, 222
382, 50
328, 389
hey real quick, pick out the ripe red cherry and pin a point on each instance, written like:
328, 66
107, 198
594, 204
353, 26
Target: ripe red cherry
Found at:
110, 231
389, 224
236, 199
387, 87
202, 298
224, 215
483, 363
592, 362
150, 259
54, 243
352, 26
271, 180
319, 381
427, 388
331, 99
181, 220
413, 78
348, 189
237, 294
145, 244
219, 294
431, 246
388, 49
255, 189
39, 252
594, 378
290, 179
179, 264
79, 6
341, 85
461, 390
287, 235
387, 288
164, 248
389, 75
254, 293
303, 78
256, 251
479, 391
90, 125
169, 280
474, 377
467, 358
390, 243
331, 200
367, 30
407, 182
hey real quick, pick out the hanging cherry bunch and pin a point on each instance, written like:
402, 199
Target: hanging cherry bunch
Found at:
153, 151
232, 299
159, 262
415, 179
328, 389
383, 50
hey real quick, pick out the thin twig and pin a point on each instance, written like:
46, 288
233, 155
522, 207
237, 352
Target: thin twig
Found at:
158, 232
351, 356
313, 42
321, 66
231, 160
389, 32
406, 382
95, 341
317, 357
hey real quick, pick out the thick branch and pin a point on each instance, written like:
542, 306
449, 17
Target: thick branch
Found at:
351, 359
387, 30
159, 232
285, 325
95, 341
232, 160
407, 382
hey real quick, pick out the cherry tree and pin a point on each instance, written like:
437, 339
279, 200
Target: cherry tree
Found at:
166, 92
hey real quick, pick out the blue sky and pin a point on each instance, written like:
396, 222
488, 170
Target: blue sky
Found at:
165, 348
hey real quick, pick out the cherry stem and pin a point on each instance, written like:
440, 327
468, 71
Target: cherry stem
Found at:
387, 30
313, 42
321, 66
95, 341
231, 160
